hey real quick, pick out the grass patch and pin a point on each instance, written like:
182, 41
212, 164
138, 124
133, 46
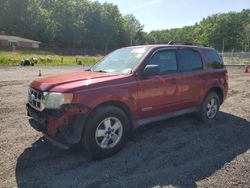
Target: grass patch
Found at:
8, 58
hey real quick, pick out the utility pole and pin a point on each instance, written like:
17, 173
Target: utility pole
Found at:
223, 44
131, 36
131, 31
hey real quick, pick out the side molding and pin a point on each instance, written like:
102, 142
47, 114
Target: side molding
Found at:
165, 116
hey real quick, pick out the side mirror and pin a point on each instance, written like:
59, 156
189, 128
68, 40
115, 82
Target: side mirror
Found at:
151, 70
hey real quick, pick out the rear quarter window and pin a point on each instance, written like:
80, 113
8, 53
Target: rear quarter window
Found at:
213, 59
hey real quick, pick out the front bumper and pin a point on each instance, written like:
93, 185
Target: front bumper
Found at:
62, 127
33, 123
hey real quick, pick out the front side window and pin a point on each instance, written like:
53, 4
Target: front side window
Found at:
121, 61
190, 60
166, 60
213, 59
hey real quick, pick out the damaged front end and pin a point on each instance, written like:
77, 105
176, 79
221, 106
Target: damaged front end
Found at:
62, 125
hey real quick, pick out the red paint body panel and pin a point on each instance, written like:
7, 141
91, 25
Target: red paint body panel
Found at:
159, 93
71, 82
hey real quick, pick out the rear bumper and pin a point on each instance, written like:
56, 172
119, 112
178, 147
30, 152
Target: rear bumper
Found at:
63, 127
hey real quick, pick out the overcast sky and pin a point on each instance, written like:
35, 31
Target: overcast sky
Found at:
166, 14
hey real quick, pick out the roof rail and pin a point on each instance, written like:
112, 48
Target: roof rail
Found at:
186, 43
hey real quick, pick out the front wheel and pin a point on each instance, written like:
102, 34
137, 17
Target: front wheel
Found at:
209, 107
106, 132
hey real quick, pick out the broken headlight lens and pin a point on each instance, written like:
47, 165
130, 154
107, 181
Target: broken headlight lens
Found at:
53, 100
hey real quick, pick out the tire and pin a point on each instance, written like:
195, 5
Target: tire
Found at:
106, 132
209, 108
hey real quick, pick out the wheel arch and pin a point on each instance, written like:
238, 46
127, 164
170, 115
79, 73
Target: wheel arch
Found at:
125, 108
218, 91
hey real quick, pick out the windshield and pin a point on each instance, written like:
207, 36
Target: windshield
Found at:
121, 61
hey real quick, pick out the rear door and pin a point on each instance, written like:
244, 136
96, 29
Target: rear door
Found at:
157, 93
193, 78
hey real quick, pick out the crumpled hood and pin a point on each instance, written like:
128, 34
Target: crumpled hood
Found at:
70, 81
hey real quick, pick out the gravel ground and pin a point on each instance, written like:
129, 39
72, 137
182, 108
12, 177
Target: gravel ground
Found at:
180, 152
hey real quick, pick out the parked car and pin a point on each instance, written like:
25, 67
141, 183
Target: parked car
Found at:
130, 87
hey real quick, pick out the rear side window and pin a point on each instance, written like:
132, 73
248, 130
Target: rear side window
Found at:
213, 59
190, 60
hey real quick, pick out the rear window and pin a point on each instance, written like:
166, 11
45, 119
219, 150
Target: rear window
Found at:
190, 60
213, 59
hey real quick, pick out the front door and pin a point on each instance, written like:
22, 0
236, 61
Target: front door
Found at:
157, 93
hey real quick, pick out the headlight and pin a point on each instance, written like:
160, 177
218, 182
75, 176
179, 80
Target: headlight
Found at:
54, 100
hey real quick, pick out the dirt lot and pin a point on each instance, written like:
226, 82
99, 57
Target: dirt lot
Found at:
179, 152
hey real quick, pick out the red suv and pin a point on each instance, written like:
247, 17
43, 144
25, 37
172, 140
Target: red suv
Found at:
130, 87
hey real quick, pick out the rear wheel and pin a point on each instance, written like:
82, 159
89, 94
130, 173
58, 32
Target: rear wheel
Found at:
106, 132
209, 107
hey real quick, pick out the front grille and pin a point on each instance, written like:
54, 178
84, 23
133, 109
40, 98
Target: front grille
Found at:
35, 98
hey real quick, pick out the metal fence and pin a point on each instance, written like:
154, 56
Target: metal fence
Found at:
236, 58
75, 51
61, 51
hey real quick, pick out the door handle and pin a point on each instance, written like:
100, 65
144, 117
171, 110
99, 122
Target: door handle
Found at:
173, 81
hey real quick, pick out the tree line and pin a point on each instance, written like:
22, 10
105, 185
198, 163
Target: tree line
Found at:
225, 32
93, 25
